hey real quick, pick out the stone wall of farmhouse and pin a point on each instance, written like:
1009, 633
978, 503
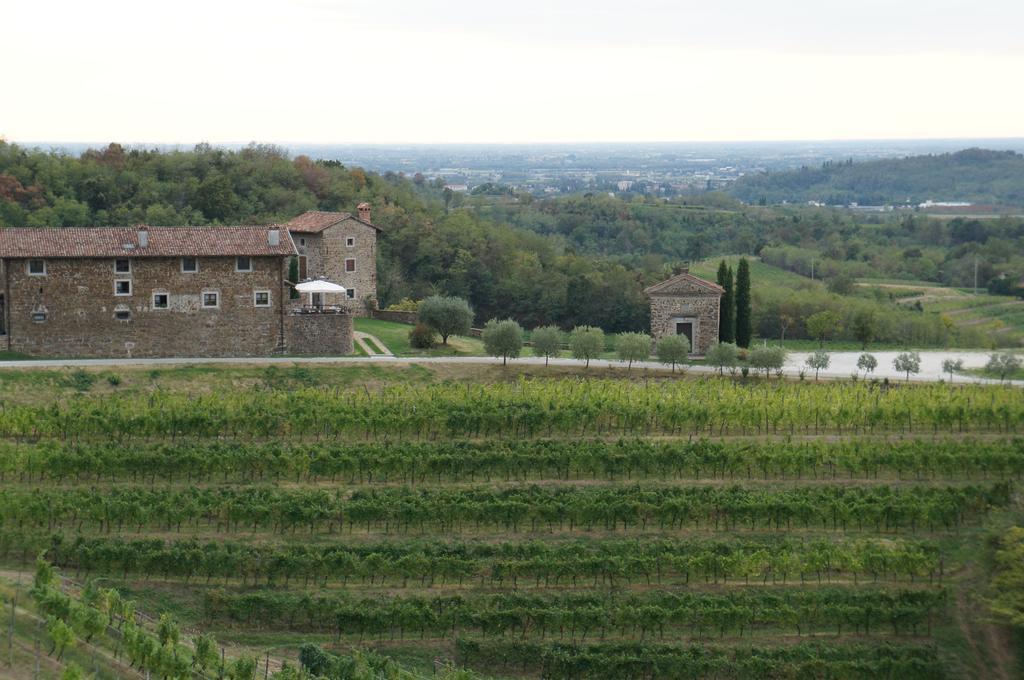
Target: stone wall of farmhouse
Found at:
665, 309
333, 249
73, 310
319, 334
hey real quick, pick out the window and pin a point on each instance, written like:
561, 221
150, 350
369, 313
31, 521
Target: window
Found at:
37, 267
243, 264
350, 293
189, 265
38, 317
350, 242
122, 265
350, 265
302, 241
261, 298
123, 315
123, 287
211, 299
161, 301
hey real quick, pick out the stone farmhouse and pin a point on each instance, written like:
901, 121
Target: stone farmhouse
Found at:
342, 248
686, 305
183, 291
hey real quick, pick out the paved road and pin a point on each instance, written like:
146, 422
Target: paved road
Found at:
842, 366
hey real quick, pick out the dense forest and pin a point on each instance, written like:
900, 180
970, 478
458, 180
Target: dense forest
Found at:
974, 175
581, 259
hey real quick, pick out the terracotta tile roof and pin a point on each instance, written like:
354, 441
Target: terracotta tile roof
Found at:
315, 221
666, 286
21, 242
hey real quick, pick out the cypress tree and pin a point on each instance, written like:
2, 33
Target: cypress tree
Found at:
727, 310
743, 323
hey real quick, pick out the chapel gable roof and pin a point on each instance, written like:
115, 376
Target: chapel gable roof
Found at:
685, 284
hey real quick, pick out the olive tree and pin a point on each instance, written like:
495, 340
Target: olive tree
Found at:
819, 361
952, 366
547, 342
907, 362
1002, 364
767, 359
446, 315
673, 349
633, 347
503, 339
867, 363
586, 342
722, 355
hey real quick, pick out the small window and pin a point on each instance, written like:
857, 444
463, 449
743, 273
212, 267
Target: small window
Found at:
122, 265
123, 287
123, 315
261, 298
350, 265
350, 293
189, 265
243, 264
39, 317
302, 241
37, 267
350, 241
161, 301
211, 299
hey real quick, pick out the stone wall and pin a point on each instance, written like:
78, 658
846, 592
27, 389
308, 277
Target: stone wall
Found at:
334, 250
703, 310
397, 317
318, 333
73, 310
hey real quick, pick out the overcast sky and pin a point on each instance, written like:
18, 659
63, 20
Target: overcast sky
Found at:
374, 71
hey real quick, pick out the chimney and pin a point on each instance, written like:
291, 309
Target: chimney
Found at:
364, 211
143, 236
274, 237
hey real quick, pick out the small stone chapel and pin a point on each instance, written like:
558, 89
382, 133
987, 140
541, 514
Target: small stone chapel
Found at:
686, 305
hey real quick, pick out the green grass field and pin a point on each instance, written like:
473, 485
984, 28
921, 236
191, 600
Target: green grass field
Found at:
520, 522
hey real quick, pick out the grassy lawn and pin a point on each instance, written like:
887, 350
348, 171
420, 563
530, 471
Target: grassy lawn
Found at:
396, 337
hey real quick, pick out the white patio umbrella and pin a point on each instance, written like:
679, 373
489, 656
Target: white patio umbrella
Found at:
318, 286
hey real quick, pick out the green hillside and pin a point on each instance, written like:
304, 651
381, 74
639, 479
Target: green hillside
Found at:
973, 175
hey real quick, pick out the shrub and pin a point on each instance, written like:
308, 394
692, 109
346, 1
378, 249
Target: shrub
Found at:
421, 336
80, 380
403, 305
114, 379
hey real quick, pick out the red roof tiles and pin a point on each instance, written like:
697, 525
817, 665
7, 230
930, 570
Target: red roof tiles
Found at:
22, 242
315, 221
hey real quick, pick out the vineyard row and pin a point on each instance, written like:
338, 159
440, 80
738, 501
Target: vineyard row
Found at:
497, 460
402, 510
